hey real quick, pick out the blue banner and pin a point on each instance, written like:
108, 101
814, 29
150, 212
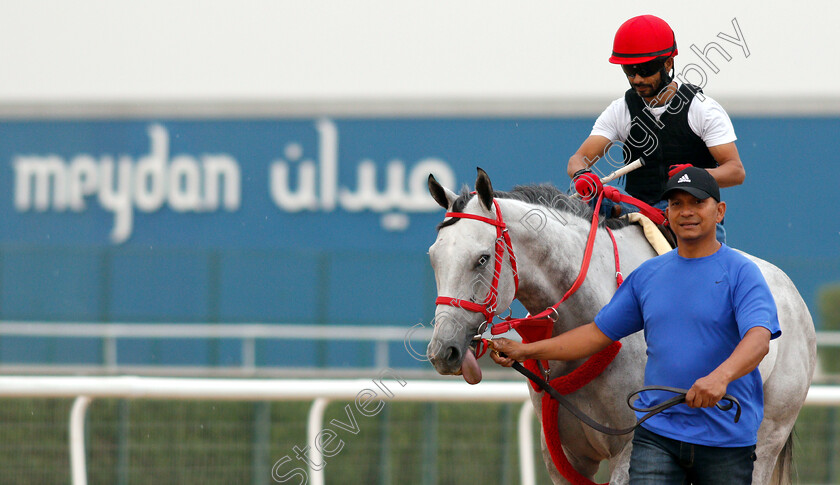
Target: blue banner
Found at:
323, 221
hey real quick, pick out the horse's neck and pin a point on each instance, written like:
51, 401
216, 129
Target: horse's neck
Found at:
549, 261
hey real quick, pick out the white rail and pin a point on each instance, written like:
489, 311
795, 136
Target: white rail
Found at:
414, 338
245, 331
248, 333
209, 330
387, 385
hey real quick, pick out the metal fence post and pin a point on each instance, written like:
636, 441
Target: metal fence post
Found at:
526, 445
78, 465
314, 426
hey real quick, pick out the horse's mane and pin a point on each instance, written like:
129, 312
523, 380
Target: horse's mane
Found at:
545, 195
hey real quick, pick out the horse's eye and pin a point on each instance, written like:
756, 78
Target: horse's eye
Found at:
482, 260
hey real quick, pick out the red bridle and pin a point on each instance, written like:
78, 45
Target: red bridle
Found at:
488, 308
539, 327
550, 315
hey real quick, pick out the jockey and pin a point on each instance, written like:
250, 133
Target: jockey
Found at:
667, 124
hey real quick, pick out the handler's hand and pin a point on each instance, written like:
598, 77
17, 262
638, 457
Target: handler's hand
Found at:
706, 392
514, 351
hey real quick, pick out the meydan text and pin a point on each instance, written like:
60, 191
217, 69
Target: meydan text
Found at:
206, 183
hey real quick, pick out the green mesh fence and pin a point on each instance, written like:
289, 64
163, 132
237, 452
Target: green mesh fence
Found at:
203, 442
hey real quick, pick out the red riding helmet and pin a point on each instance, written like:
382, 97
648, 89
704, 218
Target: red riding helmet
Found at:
642, 39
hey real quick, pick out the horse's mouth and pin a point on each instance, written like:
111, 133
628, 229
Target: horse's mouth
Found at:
470, 370
450, 358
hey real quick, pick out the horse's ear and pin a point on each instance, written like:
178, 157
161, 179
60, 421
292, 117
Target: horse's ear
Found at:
443, 196
484, 189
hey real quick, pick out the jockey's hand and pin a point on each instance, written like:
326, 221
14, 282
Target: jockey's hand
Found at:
587, 184
706, 391
514, 351
675, 169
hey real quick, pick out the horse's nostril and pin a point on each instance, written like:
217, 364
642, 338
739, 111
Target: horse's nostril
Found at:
453, 355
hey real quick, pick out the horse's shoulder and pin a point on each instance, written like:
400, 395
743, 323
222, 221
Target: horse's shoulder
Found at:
772, 273
788, 300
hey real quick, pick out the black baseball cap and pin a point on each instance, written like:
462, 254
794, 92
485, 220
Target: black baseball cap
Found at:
696, 181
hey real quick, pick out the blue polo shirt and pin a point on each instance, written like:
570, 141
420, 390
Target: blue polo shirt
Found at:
694, 312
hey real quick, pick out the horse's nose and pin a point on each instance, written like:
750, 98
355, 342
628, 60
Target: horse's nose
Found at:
446, 360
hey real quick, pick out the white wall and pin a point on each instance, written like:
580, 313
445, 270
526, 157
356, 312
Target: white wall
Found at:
465, 54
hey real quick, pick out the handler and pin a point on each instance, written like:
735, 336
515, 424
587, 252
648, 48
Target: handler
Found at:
659, 120
708, 318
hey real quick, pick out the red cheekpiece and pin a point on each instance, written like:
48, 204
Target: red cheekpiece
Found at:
642, 39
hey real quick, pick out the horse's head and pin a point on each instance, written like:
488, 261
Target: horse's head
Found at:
465, 258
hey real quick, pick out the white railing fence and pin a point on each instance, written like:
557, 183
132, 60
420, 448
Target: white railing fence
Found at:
387, 387
248, 334
414, 339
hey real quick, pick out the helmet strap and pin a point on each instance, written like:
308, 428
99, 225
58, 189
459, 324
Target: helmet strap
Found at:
665, 80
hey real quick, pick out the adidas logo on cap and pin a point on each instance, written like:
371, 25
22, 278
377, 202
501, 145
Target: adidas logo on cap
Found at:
684, 179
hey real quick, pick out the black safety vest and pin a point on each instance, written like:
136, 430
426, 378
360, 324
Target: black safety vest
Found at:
661, 144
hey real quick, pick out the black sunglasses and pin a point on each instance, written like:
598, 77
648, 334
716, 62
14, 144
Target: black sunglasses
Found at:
646, 69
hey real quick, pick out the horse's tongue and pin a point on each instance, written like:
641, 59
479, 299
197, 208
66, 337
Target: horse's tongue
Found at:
470, 369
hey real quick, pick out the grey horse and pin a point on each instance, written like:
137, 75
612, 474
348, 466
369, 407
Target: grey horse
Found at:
548, 232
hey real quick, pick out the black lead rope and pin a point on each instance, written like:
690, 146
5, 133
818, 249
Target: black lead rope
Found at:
678, 399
